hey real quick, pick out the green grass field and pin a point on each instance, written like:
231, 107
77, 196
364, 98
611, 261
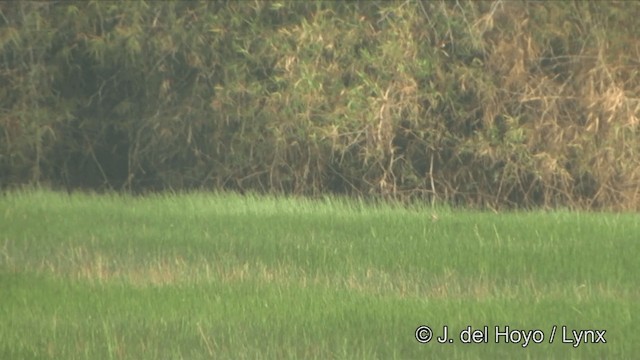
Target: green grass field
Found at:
200, 276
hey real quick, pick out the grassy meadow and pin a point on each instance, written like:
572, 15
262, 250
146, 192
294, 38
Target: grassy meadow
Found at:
224, 276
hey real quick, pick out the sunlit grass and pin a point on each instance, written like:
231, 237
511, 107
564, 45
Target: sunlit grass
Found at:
227, 276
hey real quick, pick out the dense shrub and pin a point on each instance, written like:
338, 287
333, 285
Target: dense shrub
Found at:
496, 104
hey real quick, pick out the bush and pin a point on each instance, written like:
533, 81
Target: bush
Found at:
492, 104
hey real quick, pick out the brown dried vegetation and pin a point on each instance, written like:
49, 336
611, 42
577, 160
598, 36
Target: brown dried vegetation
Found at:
491, 104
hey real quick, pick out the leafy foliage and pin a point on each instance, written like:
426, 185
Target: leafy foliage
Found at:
480, 103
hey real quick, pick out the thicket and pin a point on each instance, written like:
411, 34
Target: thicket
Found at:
497, 104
